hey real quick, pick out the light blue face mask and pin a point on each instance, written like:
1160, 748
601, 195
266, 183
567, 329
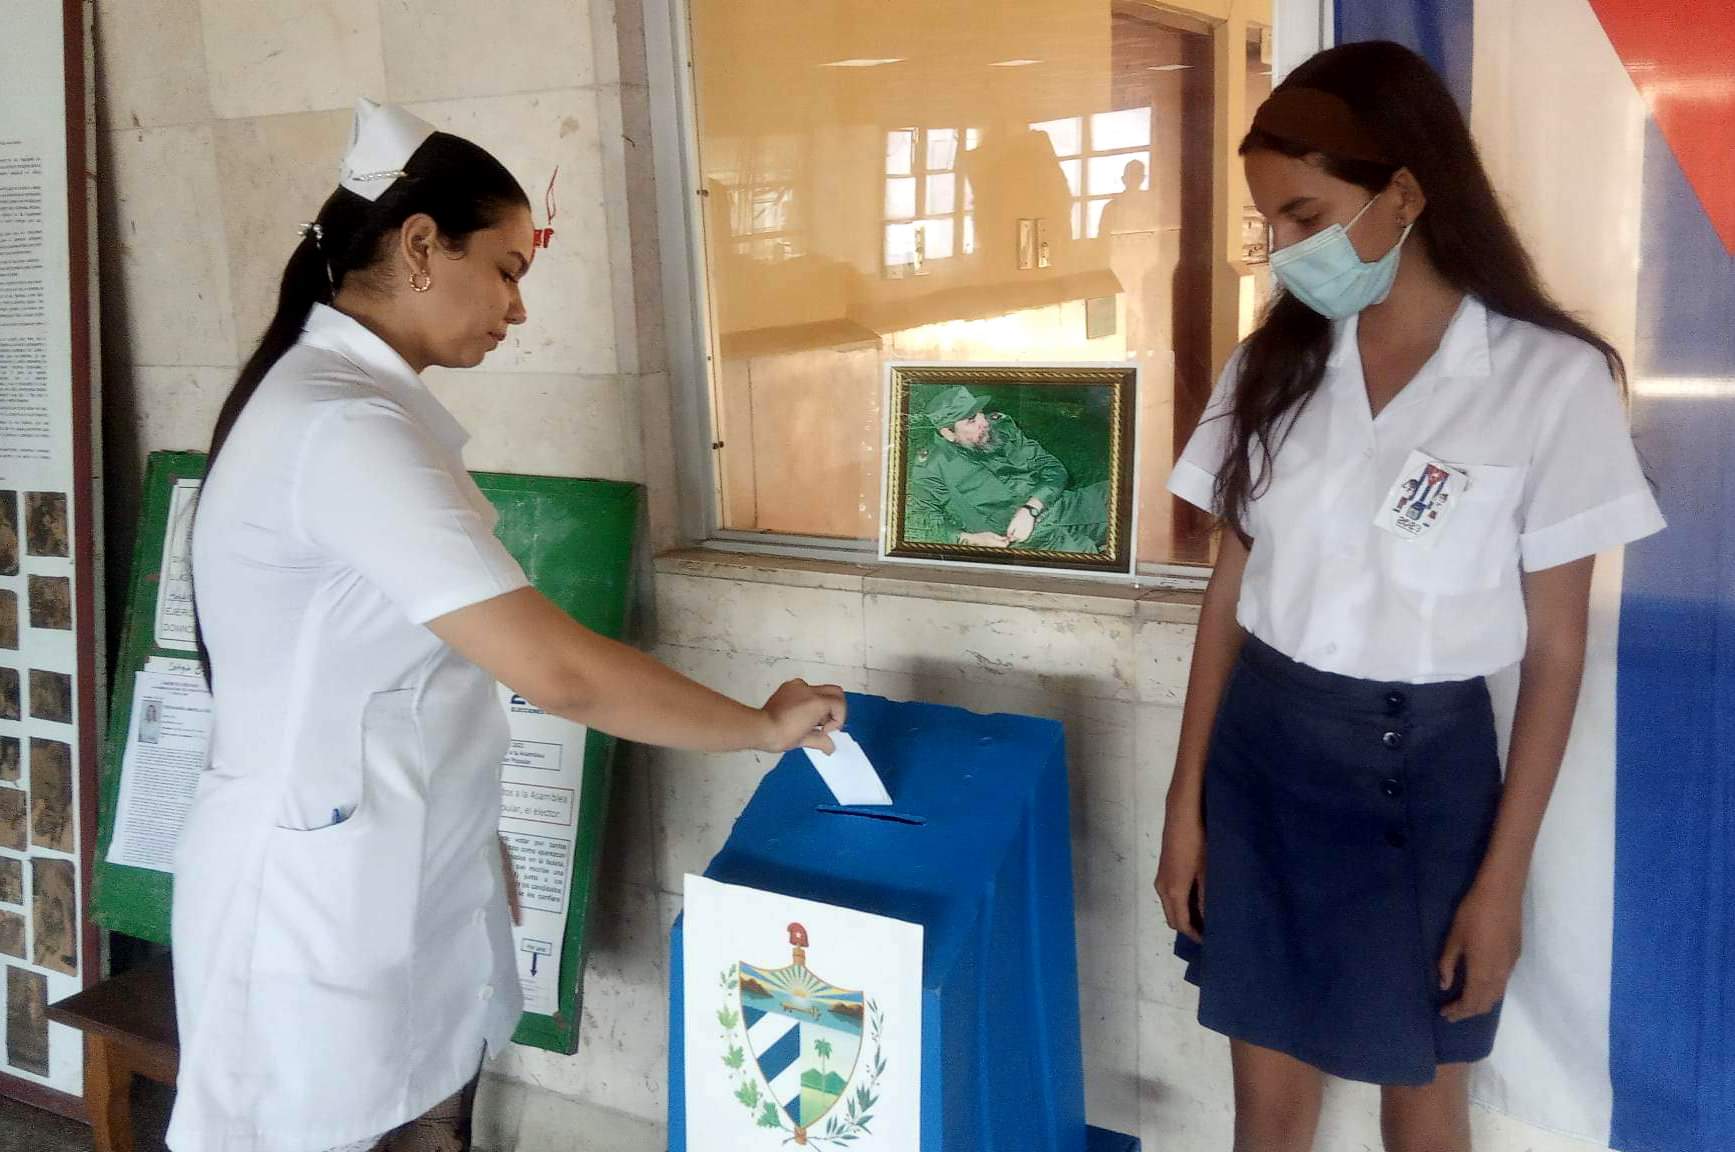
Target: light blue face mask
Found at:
1327, 274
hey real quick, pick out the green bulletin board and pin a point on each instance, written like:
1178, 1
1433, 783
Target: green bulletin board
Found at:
575, 540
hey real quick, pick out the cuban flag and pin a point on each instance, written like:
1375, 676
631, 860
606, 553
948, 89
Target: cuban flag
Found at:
1609, 127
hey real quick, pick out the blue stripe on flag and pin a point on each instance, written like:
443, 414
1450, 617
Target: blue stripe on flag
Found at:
751, 1015
1443, 31
781, 1055
1672, 1010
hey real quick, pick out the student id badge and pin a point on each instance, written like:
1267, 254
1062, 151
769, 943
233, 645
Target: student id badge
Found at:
1426, 492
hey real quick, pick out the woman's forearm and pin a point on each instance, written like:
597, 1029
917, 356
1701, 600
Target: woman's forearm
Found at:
641, 699
1214, 653
559, 665
1547, 699
1549, 681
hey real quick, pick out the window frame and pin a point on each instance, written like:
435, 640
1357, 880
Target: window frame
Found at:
1299, 28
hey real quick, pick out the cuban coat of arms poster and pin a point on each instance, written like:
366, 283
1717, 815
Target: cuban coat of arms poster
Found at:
803, 1024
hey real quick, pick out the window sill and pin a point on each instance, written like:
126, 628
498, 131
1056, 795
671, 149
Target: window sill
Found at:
958, 585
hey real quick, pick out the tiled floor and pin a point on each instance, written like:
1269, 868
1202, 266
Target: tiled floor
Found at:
25, 1129
507, 1118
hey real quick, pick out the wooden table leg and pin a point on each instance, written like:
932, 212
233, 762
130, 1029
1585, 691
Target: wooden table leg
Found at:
108, 1083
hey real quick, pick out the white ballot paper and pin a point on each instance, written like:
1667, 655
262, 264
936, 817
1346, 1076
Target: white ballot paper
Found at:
168, 744
540, 786
848, 772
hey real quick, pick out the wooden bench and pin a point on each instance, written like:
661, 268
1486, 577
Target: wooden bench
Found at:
128, 1023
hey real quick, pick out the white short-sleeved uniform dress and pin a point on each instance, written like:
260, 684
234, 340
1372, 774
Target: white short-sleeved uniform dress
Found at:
1353, 774
342, 941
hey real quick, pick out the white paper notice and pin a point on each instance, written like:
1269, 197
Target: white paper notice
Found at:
848, 773
168, 745
42, 550
175, 589
540, 785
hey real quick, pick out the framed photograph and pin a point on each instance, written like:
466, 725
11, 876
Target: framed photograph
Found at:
1028, 466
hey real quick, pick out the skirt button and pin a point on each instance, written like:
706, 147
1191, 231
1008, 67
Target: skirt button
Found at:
1393, 739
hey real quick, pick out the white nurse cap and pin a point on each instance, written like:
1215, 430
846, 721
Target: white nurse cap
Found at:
381, 142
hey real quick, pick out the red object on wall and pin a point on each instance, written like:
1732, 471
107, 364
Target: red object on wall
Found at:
1681, 57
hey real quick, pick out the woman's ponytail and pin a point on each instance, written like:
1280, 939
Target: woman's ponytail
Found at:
459, 185
306, 281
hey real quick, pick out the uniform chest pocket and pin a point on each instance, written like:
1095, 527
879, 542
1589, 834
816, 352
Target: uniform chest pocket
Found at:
1477, 545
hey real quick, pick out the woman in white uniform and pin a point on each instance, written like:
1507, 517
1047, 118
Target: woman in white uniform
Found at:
342, 938
1418, 456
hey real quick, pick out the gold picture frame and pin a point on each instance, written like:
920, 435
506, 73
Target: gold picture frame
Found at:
1014, 465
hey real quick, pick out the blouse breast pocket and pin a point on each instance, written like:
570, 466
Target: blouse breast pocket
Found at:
1477, 544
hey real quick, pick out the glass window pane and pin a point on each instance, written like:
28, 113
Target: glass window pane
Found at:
811, 271
937, 236
942, 149
900, 197
1108, 174
770, 209
1094, 220
900, 244
942, 192
900, 148
1126, 128
1067, 135
1074, 170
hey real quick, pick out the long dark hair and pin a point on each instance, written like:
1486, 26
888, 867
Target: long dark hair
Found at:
459, 185
1408, 112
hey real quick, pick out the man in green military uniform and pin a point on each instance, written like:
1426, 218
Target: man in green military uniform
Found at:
983, 482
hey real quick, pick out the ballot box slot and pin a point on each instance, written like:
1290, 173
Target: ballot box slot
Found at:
873, 814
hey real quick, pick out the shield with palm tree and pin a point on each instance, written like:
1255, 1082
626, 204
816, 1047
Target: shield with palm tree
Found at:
805, 1033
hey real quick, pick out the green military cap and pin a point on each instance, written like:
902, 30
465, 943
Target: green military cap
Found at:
951, 405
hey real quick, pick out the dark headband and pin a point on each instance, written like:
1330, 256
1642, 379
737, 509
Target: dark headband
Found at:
1318, 121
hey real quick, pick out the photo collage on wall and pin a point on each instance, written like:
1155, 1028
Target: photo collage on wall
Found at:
38, 803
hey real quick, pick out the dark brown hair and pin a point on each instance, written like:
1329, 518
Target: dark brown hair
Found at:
1408, 112
457, 183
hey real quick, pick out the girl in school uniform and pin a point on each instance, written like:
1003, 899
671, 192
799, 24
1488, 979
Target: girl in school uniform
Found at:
1416, 456
342, 941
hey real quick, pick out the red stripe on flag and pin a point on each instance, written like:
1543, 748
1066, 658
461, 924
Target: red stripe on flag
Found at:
1681, 56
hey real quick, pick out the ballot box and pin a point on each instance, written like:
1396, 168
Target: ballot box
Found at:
899, 977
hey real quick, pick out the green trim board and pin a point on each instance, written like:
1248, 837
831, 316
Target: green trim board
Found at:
136, 900
576, 541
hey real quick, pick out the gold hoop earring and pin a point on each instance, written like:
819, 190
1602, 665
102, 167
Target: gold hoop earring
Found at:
421, 281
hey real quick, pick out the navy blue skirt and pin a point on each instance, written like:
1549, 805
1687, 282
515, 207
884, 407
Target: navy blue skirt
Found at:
1344, 822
